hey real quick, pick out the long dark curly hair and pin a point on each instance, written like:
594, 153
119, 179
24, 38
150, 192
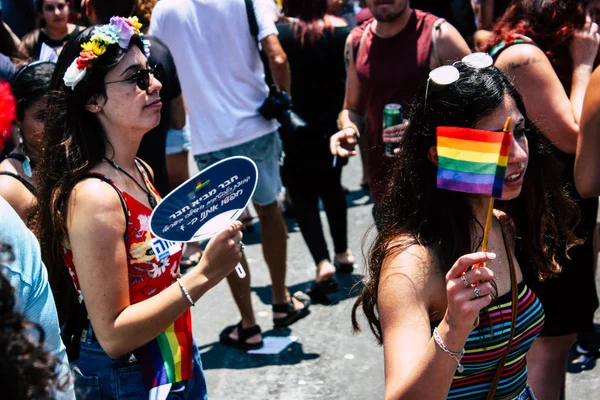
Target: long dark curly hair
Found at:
550, 23
443, 221
27, 371
73, 143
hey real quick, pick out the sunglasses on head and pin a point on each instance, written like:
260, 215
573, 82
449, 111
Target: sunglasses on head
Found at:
142, 77
448, 74
52, 7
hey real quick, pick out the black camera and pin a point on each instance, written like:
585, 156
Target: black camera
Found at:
279, 106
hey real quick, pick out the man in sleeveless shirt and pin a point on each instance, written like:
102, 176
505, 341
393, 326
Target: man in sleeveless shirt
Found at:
388, 58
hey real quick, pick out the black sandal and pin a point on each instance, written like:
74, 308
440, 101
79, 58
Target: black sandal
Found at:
320, 290
346, 268
243, 335
293, 315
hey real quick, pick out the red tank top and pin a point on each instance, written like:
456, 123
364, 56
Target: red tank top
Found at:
390, 70
147, 274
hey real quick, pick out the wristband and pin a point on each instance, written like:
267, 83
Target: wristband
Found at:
185, 292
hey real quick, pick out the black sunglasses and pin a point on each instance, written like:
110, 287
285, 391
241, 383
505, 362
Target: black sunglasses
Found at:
142, 77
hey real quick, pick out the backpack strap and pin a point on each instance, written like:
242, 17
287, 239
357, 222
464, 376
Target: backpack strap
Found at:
436, 31
363, 37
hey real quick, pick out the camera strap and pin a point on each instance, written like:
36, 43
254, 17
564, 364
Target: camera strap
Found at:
254, 32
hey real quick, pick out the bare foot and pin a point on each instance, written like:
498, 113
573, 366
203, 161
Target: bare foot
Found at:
325, 271
345, 257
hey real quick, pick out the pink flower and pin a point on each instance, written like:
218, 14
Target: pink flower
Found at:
124, 29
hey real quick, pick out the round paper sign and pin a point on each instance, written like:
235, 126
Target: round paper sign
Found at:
207, 203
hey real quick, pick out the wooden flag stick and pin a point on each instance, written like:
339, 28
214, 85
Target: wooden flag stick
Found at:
488, 221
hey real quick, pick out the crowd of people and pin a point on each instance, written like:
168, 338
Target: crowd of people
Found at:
105, 102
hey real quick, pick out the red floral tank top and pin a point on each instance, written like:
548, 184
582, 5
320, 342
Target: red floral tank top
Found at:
152, 266
150, 271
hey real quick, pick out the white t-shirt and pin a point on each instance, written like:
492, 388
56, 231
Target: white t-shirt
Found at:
219, 67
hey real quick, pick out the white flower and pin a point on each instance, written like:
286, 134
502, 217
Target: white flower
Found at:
73, 75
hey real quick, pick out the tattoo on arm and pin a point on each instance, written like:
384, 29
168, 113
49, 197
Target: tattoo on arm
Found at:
530, 60
347, 57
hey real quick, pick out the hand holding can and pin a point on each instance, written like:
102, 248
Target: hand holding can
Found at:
394, 127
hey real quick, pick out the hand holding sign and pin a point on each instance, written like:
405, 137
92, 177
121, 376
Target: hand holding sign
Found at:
207, 203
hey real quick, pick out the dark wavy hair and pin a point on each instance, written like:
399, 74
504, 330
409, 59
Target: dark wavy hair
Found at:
30, 83
27, 371
443, 221
73, 142
311, 19
550, 23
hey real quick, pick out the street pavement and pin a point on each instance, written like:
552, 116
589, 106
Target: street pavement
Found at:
328, 361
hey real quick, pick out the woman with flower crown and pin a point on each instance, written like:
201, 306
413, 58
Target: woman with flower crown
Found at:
125, 309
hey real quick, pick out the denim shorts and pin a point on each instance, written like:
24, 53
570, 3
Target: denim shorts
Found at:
526, 394
97, 376
266, 152
179, 140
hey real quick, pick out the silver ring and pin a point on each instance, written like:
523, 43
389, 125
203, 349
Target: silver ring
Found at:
465, 281
476, 291
242, 247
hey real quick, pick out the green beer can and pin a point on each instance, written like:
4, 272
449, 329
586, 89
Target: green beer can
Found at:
392, 115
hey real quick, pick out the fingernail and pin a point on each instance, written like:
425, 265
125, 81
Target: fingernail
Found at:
490, 256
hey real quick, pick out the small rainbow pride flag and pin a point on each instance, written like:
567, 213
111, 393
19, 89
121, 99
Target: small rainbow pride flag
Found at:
168, 358
472, 161
200, 185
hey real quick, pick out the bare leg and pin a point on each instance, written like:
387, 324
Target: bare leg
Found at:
240, 289
273, 233
547, 366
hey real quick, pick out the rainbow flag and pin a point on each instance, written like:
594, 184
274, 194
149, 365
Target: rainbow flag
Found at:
200, 185
472, 161
168, 358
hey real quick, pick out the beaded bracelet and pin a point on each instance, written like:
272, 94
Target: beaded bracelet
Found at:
185, 292
457, 355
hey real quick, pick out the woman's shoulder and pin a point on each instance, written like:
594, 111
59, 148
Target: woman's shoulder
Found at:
521, 55
412, 260
9, 165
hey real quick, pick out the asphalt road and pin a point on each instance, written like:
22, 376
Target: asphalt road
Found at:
328, 361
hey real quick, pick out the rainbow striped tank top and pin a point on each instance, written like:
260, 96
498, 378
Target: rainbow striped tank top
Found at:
486, 345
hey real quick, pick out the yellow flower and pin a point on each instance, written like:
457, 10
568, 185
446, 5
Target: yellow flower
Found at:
136, 24
97, 48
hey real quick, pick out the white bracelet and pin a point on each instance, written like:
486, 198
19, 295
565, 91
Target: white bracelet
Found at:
457, 355
185, 292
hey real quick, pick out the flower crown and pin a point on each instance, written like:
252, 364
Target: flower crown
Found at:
119, 31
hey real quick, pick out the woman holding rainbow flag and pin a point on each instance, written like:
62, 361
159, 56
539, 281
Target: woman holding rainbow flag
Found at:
128, 323
455, 319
